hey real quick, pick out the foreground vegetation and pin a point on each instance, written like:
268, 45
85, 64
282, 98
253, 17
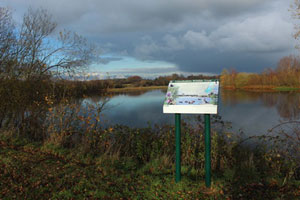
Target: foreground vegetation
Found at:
29, 171
129, 163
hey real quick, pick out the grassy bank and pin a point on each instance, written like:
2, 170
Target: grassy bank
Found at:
33, 171
287, 88
262, 88
126, 163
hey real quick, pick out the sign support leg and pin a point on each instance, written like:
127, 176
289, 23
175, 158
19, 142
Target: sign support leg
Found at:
178, 153
207, 151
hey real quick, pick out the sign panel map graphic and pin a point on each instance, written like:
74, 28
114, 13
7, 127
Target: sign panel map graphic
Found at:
192, 96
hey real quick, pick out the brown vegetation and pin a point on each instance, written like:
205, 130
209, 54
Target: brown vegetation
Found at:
285, 76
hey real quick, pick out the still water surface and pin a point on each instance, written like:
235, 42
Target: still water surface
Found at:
250, 112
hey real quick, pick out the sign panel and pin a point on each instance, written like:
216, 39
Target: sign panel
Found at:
192, 96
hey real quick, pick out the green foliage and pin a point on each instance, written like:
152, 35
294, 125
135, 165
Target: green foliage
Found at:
286, 88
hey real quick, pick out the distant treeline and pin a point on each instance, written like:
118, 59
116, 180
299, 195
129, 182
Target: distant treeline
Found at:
285, 76
22, 93
138, 81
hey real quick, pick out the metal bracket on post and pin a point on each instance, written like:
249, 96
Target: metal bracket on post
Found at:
207, 151
178, 149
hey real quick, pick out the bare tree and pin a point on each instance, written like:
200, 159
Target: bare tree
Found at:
7, 39
295, 9
38, 48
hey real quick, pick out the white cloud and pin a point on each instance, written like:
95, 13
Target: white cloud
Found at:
265, 33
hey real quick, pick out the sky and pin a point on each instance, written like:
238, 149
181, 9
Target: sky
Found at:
159, 37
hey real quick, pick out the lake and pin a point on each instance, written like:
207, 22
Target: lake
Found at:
253, 113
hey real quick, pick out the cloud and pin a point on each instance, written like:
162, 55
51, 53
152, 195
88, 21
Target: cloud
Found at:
198, 39
106, 60
135, 15
148, 70
254, 42
148, 48
172, 43
264, 33
195, 35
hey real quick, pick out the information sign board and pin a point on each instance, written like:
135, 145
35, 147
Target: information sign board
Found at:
192, 96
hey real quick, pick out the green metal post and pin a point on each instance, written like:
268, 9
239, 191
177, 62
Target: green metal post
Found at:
207, 151
178, 154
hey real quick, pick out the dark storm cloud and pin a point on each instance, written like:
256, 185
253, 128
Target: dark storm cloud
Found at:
106, 60
196, 35
214, 62
137, 15
248, 44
